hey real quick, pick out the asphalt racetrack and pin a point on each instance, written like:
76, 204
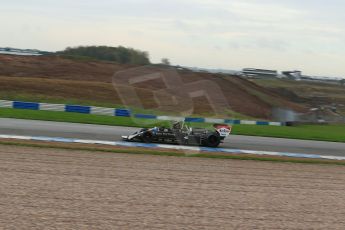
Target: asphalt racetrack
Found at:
113, 133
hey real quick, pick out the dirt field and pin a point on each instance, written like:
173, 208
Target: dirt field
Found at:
57, 189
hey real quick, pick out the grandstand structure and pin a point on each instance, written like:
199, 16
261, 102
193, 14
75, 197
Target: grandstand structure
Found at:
259, 73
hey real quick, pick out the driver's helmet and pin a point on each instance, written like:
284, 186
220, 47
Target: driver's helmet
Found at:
177, 125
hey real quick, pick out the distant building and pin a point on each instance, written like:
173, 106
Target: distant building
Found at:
328, 80
26, 52
260, 73
293, 75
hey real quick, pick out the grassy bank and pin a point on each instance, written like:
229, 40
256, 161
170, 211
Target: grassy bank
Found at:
334, 133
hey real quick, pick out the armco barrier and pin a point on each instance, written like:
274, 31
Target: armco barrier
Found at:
194, 119
52, 107
102, 111
26, 105
122, 113
145, 116
262, 123
78, 109
6, 104
233, 122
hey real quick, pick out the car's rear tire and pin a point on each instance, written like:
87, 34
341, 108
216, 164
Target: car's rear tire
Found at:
213, 140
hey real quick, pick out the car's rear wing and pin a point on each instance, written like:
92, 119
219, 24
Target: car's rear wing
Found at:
224, 130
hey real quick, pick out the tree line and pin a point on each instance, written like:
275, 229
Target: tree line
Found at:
118, 54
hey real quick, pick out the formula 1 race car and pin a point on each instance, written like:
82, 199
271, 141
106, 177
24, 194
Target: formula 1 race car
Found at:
182, 134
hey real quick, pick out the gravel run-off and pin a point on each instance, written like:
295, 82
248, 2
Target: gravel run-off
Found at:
60, 189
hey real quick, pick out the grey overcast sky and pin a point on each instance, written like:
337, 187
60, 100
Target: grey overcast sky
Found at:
307, 35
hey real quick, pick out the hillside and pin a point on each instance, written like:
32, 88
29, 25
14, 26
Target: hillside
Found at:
310, 94
57, 79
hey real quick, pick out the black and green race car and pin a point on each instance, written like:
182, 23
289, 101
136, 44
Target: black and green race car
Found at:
180, 133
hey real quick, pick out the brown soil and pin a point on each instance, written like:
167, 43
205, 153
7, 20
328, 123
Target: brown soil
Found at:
59, 189
56, 77
312, 94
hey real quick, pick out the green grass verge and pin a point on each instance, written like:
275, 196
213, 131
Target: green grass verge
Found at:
334, 133
179, 154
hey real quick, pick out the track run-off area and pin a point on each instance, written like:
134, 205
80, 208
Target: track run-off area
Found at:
61, 189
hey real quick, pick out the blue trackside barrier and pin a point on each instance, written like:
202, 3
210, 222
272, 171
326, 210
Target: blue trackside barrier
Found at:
232, 122
262, 123
124, 113
194, 119
26, 105
77, 109
145, 116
